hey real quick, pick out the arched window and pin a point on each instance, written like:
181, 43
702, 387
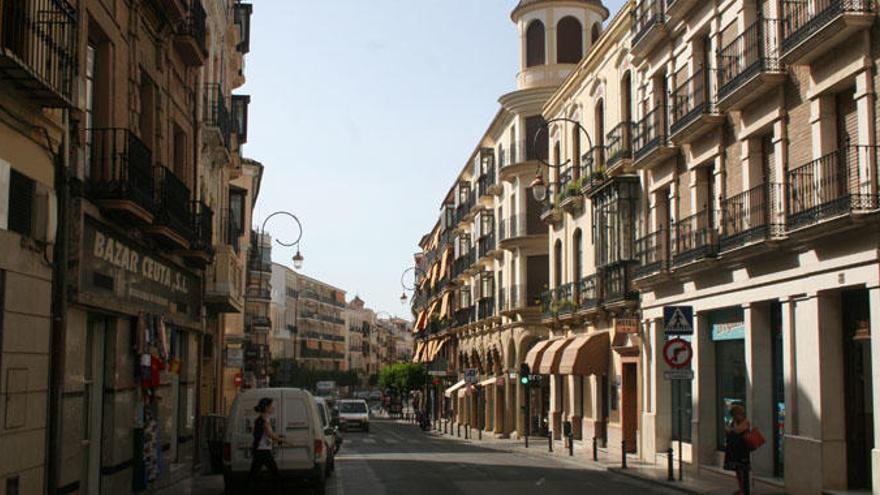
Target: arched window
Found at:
594, 33
535, 44
626, 101
578, 255
569, 41
557, 262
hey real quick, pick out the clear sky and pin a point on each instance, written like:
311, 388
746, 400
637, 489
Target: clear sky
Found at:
363, 112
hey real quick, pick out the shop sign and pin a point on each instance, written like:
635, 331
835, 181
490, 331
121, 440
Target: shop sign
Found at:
686, 374
234, 357
735, 330
117, 268
499, 381
437, 373
626, 325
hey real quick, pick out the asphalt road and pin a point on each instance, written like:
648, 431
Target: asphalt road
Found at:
401, 459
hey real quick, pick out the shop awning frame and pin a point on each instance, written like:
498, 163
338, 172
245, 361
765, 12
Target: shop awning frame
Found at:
451, 390
552, 356
533, 357
586, 355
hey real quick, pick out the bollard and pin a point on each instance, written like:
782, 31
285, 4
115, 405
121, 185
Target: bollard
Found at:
527, 439
670, 475
458, 430
623, 454
595, 450
550, 441
571, 444
467, 430
479, 433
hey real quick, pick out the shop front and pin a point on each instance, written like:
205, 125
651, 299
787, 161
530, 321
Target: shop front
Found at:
134, 336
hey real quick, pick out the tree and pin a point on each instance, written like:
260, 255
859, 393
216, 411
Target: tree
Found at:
403, 377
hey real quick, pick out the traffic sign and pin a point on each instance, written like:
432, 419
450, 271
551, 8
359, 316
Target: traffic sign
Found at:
678, 353
679, 374
470, 375
678, 320
437, 373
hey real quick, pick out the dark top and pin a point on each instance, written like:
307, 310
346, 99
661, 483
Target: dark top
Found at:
259, 431
736, 451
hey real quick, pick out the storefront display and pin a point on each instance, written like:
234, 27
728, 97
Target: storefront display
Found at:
728, 336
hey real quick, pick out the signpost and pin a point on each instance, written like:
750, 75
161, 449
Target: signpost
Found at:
678, 353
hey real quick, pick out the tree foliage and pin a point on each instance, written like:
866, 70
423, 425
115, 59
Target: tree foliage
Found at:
290, 373
403, 377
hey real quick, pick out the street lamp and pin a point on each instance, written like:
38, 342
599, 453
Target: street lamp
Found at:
416, 272
298, 257
538, 186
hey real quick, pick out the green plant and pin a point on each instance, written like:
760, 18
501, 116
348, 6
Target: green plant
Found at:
599, 173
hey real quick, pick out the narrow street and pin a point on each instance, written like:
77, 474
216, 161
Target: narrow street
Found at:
398, 458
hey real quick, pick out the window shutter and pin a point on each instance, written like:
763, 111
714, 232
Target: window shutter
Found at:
21, 203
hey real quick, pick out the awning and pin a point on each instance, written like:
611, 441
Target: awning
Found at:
586, 355
444, 305
533, 357
428, 355
552, 356
420, 346
463, 392
489, 381
432, 308
420, 321
443, 260
439, 347
451, 390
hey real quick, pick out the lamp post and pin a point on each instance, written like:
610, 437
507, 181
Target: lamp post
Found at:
416, 272
538, 186
297, 258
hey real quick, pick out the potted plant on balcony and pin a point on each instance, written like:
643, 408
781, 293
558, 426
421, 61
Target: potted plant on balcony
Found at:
598, 174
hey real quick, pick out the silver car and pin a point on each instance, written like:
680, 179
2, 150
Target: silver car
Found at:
354, 413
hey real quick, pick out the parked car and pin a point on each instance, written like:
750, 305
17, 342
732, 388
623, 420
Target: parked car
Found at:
354, 413
297, 418
332, 439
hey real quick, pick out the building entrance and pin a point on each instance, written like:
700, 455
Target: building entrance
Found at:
857, 387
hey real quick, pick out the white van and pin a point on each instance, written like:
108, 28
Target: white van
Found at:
296, 417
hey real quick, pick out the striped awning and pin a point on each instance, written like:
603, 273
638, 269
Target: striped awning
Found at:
451, 390
586, 355
552, 356
444, 305
533, 357
417, 354
443, 261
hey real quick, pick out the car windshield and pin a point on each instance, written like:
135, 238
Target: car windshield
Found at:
353, 407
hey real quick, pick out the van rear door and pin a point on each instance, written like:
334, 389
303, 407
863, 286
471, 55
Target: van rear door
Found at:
297, 429
243, 429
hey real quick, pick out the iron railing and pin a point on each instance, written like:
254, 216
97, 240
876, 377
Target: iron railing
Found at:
619, 144
195, 25
617, 282
751, 216
120, 167
751, 53
463, 316
695, 238
652, 253
485, 245
802, 19
202, 227
38, 44
173, 202
563, 298
829, 186
217, 113
690, 100
646, 15
588, 295
259, 293
485, 308
593, 173
649, 133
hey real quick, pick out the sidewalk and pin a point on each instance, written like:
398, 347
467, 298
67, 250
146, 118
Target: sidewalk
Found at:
705, 481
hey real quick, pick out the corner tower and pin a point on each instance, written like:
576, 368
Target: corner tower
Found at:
554, 35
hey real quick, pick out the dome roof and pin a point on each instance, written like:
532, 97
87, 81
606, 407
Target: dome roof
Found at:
524, 4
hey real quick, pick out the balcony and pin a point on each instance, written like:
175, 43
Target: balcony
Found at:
617, 286
551, 209
593, 172
119, 174
652, 255
259, 294
201, 249
257, 265
172, 224
517, 232
216, 117
257, 324
811, 28
618, 143
831, 187
648, 27
464, 316
486, 246
651, 145
240, 104
242, 18
695, 239
588, 295
176, 10
463, 212
223, 282
518, 159
314, 296
190, 37
570, 198
749, 66
38, 49
751, 217
693, 110
485, 308
678, 9
463, 264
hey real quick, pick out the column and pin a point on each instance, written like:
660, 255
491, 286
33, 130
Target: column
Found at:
823, 125
500, 401
655, 425
556, 406
705, 408
864, 97
759, 385
577, 412
778, 199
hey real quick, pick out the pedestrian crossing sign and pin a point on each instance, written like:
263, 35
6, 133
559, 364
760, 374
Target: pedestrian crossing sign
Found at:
678, 320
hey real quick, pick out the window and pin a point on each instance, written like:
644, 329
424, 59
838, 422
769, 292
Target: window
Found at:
240, 105
21, 203
236, 215
180, 154
147, 118
535, 44
536, 149
557, 262
614, 210
594, 33
578, 246
487, 223
569, 41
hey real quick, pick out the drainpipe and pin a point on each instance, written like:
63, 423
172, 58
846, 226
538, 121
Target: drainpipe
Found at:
59, 312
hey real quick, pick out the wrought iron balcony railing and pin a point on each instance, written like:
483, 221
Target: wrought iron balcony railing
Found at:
464, 316
217, 113
690, 100
802, 19
588, 295
485, 245
194, 29
650, 132
646, 15
485, 308
695, 238
593, 172
751, 53
652, 254
202, 227
617, 282
752, 216
119, 167
173, 202
830, 186
619, 144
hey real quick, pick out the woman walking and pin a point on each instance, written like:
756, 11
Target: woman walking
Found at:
261, 450
736, 449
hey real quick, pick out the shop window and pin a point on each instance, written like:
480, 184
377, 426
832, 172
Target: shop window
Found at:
535, 44
569, 41
728, 336
21, 203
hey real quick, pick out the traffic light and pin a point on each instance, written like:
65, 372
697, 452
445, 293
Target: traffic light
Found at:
524, 373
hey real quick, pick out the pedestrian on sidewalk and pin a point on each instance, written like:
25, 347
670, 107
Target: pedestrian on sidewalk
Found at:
736, 449
261, 450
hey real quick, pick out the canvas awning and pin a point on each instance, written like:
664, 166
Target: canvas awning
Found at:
533, 357
552, 356
432, 308
417, 354
420, 321
586, 355
429, 351
451, 390
439, 347
444, 305
443, 260
488, 381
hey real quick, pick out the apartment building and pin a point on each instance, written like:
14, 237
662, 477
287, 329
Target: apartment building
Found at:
359, 320
112, 212
257, 312
282, 339
483, 266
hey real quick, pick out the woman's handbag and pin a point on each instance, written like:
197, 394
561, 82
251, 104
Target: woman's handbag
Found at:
754, 439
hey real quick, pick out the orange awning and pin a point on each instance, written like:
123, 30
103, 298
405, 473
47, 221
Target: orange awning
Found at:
443, 260
420, 321
444, 305
552, 356
533, 357
418, 352
586, 355
439, 348
429, 351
